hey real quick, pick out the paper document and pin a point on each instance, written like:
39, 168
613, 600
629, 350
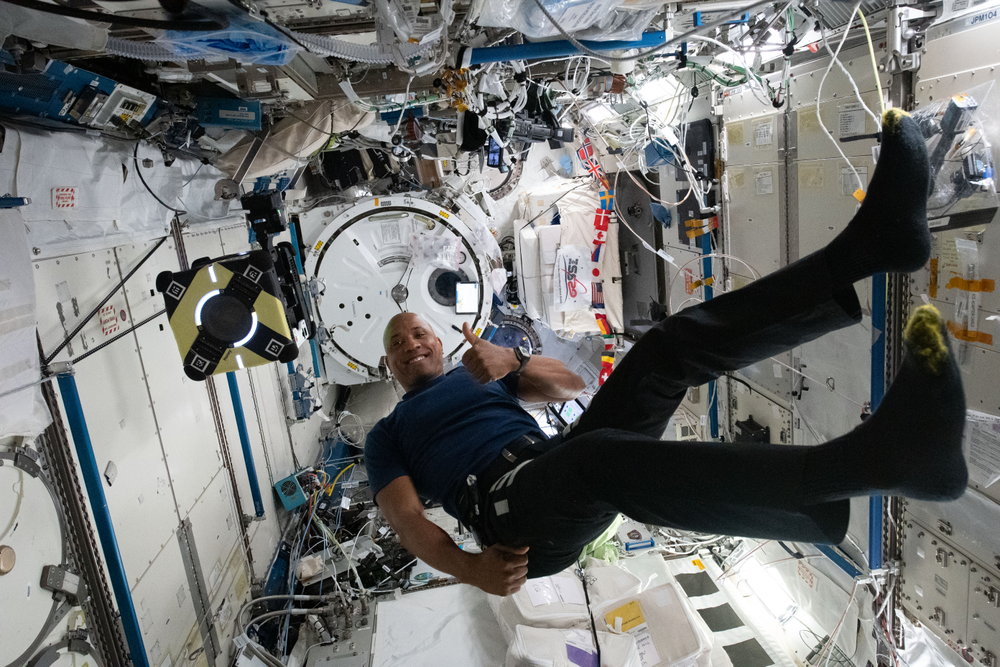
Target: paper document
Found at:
981, 443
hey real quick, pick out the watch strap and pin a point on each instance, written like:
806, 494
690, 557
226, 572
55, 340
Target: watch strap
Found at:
522, 359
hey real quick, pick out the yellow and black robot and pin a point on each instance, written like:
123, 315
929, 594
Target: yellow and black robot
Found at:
228, 314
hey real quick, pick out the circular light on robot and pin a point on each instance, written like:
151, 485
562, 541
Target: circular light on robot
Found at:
249, 336
201, 304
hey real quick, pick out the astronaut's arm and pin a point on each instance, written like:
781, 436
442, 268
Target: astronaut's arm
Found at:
498, 570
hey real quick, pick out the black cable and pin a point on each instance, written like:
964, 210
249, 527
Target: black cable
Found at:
833, 658
138, 170
220, 23
793, 554
743, 382
557, 201
112, 340
52, 355
287, 33
593, 626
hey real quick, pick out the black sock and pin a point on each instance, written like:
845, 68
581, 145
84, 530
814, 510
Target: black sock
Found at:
912, 445
889, 233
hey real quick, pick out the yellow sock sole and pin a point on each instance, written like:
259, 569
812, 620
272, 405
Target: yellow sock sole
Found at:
925, 339
892, 117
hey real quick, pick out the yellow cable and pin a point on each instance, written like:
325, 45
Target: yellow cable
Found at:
871, 52
337, 478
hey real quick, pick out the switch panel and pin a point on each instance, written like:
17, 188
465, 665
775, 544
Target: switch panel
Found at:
963, 523
935, 582
984, 615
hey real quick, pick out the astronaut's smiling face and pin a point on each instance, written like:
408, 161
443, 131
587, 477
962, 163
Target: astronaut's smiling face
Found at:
413, 351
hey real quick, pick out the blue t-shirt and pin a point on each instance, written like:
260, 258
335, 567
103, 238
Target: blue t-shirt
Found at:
444, 431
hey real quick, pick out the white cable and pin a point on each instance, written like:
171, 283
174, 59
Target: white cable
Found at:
819, 94
350, 563
750, 76
402, 112
854, 85
836, 633
355, 545
28, 386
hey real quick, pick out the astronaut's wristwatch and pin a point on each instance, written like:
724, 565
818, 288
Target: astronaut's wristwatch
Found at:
522, 354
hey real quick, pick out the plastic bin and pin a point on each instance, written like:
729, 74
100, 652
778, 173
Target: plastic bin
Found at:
534, 647
664, 626
558, 601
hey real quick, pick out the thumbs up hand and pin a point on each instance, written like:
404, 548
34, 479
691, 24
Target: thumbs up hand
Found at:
487, 362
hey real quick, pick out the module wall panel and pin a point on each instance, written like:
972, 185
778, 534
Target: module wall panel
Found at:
215, 529
756, 203
115, 402
181, 406
265, 532
752, 138
164, 607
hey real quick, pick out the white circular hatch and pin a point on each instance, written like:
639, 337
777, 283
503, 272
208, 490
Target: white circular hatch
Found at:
31, 537
366, 258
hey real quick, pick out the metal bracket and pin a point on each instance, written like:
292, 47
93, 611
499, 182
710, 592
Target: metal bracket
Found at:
26, 459
230, 188
259, 83
61, 582
200, 593
904, 43
60, 368
73, 644
201, 66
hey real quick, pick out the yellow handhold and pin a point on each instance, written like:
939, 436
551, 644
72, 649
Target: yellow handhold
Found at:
859, 194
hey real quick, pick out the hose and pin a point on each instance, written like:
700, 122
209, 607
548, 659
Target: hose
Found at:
374, 54
328, 46
295, 598
128, 48
289, 612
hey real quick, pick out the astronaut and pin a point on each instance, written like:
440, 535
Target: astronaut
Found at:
461, 438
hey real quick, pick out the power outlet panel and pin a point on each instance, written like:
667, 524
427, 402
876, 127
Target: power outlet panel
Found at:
984, 616
935, 582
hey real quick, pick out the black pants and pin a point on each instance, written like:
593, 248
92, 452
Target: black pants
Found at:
614, 462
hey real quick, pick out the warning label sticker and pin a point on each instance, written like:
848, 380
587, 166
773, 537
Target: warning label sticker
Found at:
110, 322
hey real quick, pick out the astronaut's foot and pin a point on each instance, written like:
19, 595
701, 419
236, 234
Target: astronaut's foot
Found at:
912, 445
889, 233
922, 417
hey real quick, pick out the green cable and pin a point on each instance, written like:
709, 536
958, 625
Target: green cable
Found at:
730, 83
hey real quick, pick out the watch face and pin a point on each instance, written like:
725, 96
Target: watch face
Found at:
517, 332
